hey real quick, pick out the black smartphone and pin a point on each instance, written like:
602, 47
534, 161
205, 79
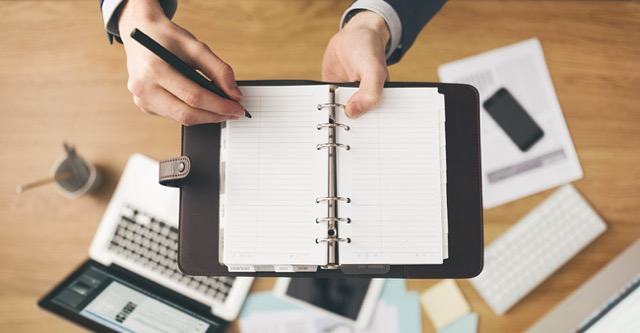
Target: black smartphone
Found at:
513, 119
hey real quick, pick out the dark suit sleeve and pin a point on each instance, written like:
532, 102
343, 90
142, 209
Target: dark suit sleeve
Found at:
414, 15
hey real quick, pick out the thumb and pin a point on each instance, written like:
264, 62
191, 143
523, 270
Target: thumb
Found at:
368, 95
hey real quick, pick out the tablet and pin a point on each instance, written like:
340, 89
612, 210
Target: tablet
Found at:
111, 299
351, 301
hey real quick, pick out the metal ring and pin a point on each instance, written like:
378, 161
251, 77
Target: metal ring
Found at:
345, 127
333, 240
333, 219
319, 199
329, 105
339, 145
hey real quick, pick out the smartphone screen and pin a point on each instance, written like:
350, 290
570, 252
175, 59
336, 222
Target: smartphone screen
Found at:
343, 297
513, 119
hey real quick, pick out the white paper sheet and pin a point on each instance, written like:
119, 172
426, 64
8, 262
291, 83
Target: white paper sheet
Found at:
274, 173
508, 173
392, 174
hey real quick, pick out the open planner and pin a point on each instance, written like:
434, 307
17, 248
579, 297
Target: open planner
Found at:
299, 189
304, 186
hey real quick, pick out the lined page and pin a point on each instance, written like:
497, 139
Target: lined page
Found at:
272, 175
392, 174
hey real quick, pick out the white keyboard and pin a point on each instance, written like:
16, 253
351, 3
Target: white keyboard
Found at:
535, 247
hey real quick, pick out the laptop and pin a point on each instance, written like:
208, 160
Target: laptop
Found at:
131, 281
607, 302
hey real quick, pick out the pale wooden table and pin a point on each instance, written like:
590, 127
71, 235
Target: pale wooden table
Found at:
60, 80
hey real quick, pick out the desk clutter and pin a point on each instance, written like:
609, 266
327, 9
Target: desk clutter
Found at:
141, 238
131, 280
397, 310
139, 232
57, 88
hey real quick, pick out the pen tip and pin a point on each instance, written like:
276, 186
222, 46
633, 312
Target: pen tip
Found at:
247, 114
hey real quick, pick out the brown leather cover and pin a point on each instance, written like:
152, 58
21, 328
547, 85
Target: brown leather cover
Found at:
198, 241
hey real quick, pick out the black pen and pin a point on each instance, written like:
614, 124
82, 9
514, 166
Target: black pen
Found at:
178, 64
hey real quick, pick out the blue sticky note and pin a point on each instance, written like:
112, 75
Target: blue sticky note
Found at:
465, 324
408, 303
264, 301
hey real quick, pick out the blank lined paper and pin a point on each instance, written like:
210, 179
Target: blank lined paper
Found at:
273, 174
392, 174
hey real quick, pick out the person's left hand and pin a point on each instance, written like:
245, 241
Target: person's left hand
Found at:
357, 53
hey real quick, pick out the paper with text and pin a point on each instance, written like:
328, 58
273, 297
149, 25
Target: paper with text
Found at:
508, 173
393, 175
272, 175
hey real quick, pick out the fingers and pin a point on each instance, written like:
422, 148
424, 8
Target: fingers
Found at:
167, 104
160, 89
213, 67
369, 93
196, 96
356, 53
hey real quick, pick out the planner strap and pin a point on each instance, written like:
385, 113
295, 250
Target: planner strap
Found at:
173, 171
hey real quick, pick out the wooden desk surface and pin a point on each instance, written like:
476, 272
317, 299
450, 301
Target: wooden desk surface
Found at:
60, 80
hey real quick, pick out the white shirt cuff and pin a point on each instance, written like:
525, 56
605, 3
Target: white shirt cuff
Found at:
109, 7
388, 14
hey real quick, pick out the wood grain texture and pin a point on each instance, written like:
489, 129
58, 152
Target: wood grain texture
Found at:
61, 80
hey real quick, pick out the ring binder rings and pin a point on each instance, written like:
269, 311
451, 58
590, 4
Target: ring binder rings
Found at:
343, 126
200, 240
334, 145
333, 219
333, 240
330, 105
320, 199
332, 208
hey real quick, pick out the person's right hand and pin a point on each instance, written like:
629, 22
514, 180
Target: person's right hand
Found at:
159, 89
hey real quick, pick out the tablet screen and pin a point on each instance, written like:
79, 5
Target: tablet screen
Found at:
343, 297
351, 300
99, 300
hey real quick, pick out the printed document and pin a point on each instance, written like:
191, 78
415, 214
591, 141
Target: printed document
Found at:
508, 173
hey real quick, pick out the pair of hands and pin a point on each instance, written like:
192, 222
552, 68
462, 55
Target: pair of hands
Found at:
356, 53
